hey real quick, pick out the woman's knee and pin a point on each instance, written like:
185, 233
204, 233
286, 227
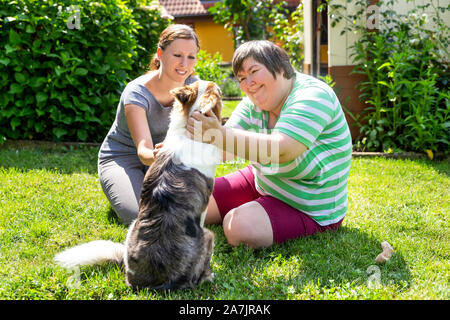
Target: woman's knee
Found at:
126, 212
124, 204
121, 182
235, 227
248, 225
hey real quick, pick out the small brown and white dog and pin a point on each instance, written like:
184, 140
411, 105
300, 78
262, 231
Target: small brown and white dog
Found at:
166, 246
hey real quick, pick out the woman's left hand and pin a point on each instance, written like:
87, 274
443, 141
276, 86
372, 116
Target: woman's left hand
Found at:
203, 127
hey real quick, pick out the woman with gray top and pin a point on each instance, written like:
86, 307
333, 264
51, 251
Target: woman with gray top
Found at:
142, 120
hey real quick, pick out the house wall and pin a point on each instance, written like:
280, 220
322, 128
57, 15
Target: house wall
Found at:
308, 36
340, 65
339, 45
403, 6
340, 62
214, 38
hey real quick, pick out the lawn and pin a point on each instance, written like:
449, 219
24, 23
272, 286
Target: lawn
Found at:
51, 199
228, 107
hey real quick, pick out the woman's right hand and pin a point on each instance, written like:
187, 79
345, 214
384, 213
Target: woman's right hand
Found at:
140, 132
147, 155
158, 147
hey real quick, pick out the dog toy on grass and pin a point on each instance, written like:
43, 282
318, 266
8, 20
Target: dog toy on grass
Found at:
386, 254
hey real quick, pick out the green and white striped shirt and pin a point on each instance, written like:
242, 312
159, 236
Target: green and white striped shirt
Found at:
316, 181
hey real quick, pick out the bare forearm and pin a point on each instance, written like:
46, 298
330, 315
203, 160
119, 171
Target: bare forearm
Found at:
276, 147
252, 146
140, 133
145, 153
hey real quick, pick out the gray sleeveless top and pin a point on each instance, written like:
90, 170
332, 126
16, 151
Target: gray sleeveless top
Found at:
118, 141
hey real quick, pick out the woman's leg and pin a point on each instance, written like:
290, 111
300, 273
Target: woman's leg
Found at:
121, 181
232, 204
213, 214
230, 191
268, 220
248, 224
250, 218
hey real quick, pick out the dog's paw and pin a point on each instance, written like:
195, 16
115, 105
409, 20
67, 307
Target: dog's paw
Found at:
211, 277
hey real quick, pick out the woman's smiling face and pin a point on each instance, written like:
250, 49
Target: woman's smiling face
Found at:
178, 59
258, 83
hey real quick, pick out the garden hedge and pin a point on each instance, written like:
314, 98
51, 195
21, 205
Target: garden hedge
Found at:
65, 63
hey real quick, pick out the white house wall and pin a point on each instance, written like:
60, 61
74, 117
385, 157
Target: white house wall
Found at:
308, 31
404, 6
339, 50
339, 45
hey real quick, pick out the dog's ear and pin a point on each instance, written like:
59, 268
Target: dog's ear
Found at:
182, 94
213, 100
216, 107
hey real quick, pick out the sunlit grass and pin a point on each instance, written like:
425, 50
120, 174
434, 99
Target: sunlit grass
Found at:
51, 200
228, 107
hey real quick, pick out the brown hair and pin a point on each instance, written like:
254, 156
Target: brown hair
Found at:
170, 34
274, 58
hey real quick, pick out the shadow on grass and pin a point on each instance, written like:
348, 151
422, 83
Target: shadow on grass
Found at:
442, 167
330, 265
112, 218
329, 260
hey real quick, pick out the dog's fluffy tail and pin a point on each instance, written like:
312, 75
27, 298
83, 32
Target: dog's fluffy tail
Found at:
94, 252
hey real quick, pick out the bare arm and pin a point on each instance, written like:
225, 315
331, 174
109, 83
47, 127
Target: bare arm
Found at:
140, 132
262, 148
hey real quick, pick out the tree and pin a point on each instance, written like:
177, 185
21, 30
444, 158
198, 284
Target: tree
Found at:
266, 19
246, 19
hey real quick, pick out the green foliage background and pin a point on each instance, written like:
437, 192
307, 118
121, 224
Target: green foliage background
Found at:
263, 19
407, 87
60, 80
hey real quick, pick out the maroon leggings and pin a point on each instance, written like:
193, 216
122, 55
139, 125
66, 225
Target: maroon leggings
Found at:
237, 188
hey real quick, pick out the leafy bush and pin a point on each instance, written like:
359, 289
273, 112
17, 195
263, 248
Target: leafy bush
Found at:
407, 88
288, 32
208, 67
64, 66
149, 27
230, 88
263, 19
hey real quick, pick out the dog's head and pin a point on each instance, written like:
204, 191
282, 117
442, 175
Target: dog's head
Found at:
200, 96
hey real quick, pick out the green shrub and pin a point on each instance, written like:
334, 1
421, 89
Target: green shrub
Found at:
407, 90
64, 66
208, 67
230, 88
149, 27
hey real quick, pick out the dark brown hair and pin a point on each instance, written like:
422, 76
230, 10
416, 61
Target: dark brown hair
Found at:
274, 58
170, 34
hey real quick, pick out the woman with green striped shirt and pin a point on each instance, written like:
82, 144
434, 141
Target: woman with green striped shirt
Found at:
292, 129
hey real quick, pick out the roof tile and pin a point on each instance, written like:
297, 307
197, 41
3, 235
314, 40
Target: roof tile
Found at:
179, 8
183, 7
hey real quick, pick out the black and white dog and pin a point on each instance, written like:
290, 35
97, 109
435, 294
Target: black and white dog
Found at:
166, 246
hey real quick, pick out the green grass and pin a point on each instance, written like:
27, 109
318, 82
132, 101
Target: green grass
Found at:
228, 107
51, 200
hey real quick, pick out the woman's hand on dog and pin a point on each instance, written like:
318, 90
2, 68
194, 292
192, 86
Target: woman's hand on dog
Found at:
158, 146
203, 127
147, 155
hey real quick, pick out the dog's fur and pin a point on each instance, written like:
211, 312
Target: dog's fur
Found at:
166, 246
